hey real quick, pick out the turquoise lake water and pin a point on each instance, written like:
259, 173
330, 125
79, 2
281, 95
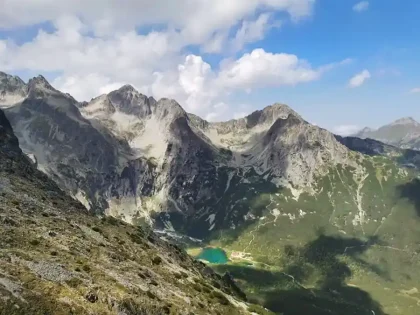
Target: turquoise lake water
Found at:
213, 255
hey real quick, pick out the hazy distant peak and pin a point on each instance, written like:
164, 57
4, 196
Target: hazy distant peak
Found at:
366, 129
405, 121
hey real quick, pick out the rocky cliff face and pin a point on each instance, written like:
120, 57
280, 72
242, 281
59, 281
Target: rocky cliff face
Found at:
56, 258
136, 158
12, 90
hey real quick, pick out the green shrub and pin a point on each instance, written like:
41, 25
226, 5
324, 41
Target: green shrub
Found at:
157, 260
34, 242
220, 297
254, 308
74, 282
197, 287
96, 229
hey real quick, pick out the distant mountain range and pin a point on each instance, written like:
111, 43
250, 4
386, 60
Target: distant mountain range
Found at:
314, 223
403, 133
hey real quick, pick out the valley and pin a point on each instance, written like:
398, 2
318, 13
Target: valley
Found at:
310, 222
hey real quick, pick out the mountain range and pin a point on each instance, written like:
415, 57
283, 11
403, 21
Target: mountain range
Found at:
403, 133
311, 221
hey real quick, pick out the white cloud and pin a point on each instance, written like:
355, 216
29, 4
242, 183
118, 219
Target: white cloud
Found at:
86, 87
359, 79
361, 6
239, 115
216, 43
415, 90
262, 69
346, 130
251, 31
95, 51
218, 112
196, 19
201, 89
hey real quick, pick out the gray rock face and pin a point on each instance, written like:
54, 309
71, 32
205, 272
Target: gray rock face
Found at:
82, 159
130, 102
131, 156
9, 144
12, 90
48, 237
403, 133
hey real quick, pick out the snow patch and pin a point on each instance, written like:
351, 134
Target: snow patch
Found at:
9, 100
81, 196
211, 218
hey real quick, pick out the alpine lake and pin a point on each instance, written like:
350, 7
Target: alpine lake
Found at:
213, 255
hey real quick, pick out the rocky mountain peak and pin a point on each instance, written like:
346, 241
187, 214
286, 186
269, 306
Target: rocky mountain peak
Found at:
98, 107
406, 121
269, 115
280, 110
169, 108
12, 90
39, 82
366, 129
129, 101
10, 79
127, 88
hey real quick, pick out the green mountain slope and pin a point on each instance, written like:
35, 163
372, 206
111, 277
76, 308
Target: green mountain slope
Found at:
351, 248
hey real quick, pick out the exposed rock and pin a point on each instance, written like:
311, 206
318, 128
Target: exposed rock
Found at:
61, 273
92, 297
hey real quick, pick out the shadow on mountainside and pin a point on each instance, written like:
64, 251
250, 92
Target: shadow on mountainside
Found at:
313, 279
411, 192
234, 205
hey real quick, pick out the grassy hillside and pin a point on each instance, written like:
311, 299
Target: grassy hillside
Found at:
352, 247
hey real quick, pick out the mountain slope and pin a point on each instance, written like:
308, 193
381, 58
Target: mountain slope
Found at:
55, 258
271, 189
404, 133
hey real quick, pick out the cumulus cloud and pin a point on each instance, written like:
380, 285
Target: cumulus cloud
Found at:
346, 130
359, 79
415, 90
361, 6
260, 68
196, 19
95, 51
251, 31
81, 87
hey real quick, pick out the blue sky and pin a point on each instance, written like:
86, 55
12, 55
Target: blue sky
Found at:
222, 60
380, 39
